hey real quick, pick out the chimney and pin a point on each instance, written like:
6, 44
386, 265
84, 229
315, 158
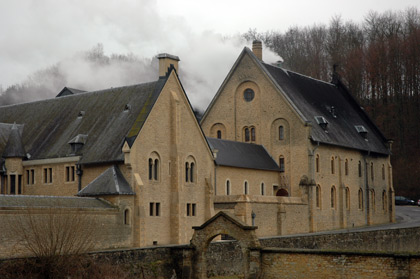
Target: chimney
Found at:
166, 62
257, 49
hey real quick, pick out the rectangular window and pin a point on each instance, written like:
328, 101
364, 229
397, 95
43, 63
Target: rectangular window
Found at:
70, 173
188, 209
32, 176
151, 209
191, 209
157, 211
48, 176
28, 178
45, 176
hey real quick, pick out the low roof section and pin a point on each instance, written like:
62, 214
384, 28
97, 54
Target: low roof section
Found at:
242, 155
110, 182
107, 117
21, 201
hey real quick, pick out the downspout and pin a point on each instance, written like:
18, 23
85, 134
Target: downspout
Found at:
79, 173
367, 189
312, 180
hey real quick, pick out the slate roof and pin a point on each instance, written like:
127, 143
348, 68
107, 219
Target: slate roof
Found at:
332, 101
5, 131
14, 147
48, 201
242, 155
108, 118
110, 182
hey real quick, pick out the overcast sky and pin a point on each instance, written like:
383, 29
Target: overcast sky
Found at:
35, 34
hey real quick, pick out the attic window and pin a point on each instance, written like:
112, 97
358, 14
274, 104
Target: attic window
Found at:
361, 130
249, 94
321, 121
127, 108
81, 114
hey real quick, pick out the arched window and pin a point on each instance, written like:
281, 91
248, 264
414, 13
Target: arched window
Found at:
150, 168
187, 171
154, 166
246, 188
360, 169
246, 134
346, 167
333, 198
318, 196
332, 165
282, 193
190, 170
262, 189
347, 198
281, 133
317, 163
371, 171
219, 134
253, 137
156, 171
281, 164
227, 187
360, 199
126, 217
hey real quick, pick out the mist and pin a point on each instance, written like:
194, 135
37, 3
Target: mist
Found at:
93, 46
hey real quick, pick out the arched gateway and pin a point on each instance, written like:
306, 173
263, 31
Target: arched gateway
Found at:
225, 223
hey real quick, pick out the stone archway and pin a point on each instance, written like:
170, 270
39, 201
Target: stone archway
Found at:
225, 223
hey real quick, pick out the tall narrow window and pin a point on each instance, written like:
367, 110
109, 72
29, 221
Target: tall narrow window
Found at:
156, 169
157, 212
262, 189
281, 132
253, 137
150, 169
318, 196
333, 198
346, 167
28, 177
227, 187
384, 200
360, 169
45, 176
48, 176
372, 199
126, 217
371, 171
193, 207
281, 164
219, 134
151, 209
246, 134
360, 199
317, 163
246, 187
13, 184
383, 172
187, 171
332, 165
188, 209
192, 172
32, 176
347, 198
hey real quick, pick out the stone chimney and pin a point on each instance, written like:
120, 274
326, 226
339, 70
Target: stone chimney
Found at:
166, 61
257, 49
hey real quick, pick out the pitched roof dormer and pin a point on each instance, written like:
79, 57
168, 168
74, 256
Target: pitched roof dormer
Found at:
14, 146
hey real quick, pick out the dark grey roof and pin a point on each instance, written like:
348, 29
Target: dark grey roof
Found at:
242, 155
69, 91
332, 101
5, 131
14, 147
50, 201
110, 182
108, 118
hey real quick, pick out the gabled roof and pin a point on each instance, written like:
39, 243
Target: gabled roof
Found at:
242, 155
334, 103
14, 147
5, 132
107, 117
110, 182
310, 97
66, 91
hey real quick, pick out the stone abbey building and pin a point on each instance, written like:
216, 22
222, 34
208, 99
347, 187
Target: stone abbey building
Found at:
277, 149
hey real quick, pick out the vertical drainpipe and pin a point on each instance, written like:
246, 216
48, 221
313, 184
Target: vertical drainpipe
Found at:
79, 173
367, 189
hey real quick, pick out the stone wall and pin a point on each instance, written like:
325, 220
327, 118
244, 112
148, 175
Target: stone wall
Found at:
395, 240
296, 264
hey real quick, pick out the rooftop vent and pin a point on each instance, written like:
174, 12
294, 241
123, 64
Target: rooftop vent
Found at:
361, 130
322, 122
127, 108
77, 143
332, 111
81, 114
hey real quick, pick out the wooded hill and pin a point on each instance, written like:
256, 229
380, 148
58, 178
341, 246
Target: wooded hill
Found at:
379, 61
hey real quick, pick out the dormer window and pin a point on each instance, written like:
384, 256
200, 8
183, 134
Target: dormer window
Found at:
321, 121
77, 143
361, 130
